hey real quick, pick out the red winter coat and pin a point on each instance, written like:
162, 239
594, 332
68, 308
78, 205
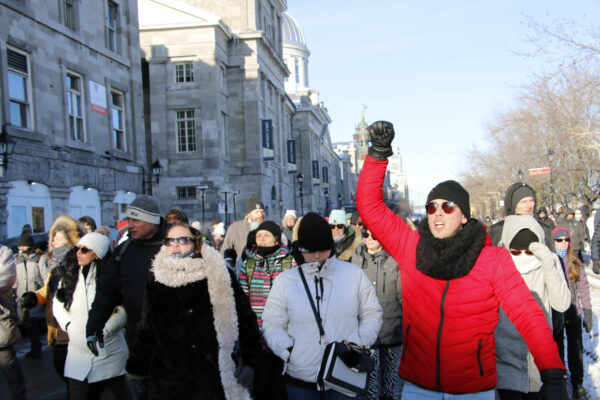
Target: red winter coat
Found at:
449, 324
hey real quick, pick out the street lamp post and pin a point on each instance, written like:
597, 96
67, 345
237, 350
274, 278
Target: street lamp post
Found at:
202, 189
226, 214
7, 145
326, 195
235, 193
300, 179
157, 170
340, 201
549, 153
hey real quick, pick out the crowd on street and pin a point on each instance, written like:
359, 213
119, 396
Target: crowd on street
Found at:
176, 309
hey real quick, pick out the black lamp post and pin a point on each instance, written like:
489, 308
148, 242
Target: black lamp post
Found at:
235, 193
157, 170
326, 194
340, 201
202, 189
7, 146
300, 179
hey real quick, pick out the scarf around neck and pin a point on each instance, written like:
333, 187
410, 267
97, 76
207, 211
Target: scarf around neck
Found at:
452, 257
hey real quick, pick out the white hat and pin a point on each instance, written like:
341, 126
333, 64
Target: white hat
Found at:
219, 229
96, 242
290, 212
339, 217
196, 225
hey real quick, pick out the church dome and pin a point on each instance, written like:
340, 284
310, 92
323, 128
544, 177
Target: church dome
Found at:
292, 34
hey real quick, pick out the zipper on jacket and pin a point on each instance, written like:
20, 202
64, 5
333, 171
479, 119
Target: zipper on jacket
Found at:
405, 343
384, 275
479, 357
438, 377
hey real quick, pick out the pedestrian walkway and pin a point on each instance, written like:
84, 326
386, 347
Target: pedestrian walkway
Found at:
42, 381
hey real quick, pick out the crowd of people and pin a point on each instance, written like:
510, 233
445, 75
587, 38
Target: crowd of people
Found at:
173, 309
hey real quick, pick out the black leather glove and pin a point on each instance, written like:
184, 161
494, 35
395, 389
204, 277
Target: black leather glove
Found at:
588, 322
95, 341
28, 300
555, 384
244, 374
382, 134
596, 266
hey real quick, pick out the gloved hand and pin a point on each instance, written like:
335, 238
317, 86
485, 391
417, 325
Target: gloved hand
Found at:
555, 384
382, 134
543, 253
95, 341
28, 300
244, 374
596, 267
138, 385
588, 322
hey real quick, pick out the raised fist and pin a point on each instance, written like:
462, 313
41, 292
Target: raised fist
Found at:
382, 134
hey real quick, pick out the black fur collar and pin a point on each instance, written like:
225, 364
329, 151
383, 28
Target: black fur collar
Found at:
449, 258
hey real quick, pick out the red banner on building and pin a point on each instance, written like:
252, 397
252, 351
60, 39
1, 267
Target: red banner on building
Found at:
539, 171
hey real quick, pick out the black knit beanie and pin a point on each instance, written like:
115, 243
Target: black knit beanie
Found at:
452, 191
520, 193
314, 233
253, 204
523, 239
271, 227
25, 240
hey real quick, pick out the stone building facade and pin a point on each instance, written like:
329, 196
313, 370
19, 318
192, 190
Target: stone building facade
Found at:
71, 99
231, 113
220, 119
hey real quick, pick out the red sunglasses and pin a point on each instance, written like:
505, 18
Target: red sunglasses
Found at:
447, 206
516, 252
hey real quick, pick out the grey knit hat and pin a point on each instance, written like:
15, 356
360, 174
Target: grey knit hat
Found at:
144, 208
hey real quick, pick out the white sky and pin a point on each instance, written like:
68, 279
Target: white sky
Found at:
438, 70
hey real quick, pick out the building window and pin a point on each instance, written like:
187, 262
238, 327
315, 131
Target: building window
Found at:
112, 13
186, 128
75, 106
19, 89
186, 192
118, 129
69, 14
184, 72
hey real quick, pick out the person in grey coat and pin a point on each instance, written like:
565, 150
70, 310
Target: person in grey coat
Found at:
381, 268
30, 277
9, 364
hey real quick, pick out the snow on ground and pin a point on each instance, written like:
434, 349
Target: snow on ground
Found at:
591, 346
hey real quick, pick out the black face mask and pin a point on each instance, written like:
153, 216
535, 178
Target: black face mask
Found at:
266, 250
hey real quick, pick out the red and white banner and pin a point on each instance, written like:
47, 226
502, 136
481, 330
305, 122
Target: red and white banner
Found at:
539, 171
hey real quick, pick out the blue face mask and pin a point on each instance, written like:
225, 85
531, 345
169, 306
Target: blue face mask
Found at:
182, 255
561, 252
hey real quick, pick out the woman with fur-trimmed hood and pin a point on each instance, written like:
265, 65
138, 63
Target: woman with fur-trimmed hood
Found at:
198, 337
63, 236
541, 270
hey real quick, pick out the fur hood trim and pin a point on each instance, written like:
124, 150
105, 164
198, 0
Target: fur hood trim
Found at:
175, 272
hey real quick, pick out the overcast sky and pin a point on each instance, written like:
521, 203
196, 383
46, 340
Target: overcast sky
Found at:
438, 70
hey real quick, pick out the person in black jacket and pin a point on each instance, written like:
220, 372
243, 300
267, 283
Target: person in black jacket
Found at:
596, 245
519, 199
124, 277
198, 337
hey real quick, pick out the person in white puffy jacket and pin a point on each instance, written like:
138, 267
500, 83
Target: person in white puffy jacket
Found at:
345, 299
89, 374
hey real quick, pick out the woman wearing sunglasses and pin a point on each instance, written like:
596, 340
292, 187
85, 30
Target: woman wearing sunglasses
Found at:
453, 281
518, 375
88, 374
580, 301
198, 337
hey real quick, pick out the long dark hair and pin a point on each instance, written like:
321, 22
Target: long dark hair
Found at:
70, 276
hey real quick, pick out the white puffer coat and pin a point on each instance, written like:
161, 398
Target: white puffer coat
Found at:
348, 306
81, 363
